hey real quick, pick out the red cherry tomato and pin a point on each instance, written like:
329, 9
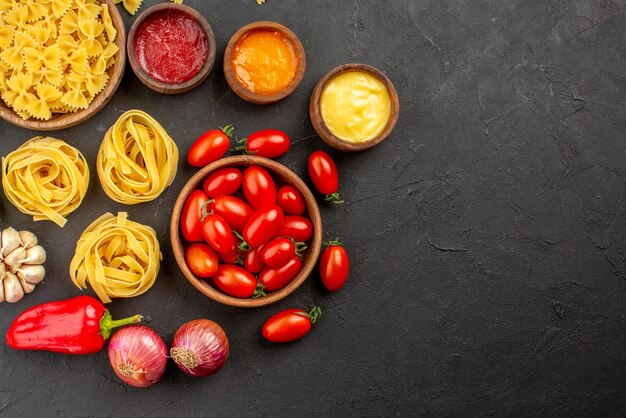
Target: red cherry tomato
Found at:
291, 201
323, 173
234, 256
211, 146
201, 260
224, 181
268, 143
217, 233
290, 324
263, 225
334, 266
296, 227
234, 210
259, 187
280, 250
235, 281
252, 260
274, 278
191, 214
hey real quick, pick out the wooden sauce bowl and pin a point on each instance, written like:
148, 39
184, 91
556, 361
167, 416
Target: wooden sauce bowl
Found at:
282, 175
320, 126
160, 86
244, 92
66, 120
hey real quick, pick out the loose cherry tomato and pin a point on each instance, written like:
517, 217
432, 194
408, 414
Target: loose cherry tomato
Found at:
268, 143
252, 260
263, 225
235, 281
224, 181
280, 250
274, 278
323, 173
211, 146
191, 214
290, 324
217, 233
296, 227
291, 201
234, 256
259, 187
234, 210
334, 266
201, 260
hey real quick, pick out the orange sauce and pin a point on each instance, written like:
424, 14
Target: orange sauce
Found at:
264, 61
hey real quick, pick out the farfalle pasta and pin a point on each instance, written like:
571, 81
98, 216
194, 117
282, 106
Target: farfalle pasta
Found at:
45, 178
137, 159
54, 55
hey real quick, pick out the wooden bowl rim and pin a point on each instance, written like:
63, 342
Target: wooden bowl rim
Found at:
318, 121
312, 252
248, 95
160, 86
65, 120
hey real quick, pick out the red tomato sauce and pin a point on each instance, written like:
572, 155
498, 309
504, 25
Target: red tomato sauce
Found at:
171, 46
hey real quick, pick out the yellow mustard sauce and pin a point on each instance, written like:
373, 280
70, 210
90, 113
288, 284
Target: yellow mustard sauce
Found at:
355, 106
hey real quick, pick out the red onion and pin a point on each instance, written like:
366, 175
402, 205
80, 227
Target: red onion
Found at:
138, 355
200, 347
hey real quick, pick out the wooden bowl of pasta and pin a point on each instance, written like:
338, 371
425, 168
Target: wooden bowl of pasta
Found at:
71, 78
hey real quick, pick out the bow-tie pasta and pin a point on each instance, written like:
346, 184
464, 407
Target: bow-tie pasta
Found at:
54, 55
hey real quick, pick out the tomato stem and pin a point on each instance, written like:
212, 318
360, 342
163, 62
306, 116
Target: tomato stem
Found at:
336, 242
314, 314
334, 198
259, 292
300, 247
243, 245
228, 130
205, 212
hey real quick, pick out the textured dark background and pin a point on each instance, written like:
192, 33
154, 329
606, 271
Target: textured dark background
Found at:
487, 235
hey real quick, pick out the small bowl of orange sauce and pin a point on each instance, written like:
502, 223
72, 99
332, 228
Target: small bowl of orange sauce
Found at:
264, 62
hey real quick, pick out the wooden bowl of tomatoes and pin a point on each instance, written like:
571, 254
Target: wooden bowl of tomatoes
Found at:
246, 231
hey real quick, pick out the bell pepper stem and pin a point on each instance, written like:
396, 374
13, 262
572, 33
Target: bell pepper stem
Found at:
107, 323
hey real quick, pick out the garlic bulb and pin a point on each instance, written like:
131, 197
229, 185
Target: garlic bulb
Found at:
21, 260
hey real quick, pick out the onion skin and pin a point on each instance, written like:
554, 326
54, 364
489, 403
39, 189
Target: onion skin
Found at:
138, 356
200, 347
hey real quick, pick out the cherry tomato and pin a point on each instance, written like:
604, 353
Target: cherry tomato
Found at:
263, 225
334, 266
234, 210
235, 281
291, 201
201, 260
323, 173
224, 181
268, 143
280, 250
290, 324
296, 227
234, 256
217, 233
252, 260
273, 278
259, 187
211, 146
191, 214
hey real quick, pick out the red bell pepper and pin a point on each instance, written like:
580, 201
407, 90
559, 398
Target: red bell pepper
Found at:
80, 325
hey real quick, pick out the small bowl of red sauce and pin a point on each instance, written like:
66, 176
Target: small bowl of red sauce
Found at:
264, 62
171, 48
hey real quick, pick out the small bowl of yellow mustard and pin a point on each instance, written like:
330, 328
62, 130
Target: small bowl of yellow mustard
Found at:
354, 107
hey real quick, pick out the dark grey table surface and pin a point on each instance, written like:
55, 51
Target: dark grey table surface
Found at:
487, 235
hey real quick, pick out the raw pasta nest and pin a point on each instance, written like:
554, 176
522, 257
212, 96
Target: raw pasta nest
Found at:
137, 160
45, 178
54, 55
118, 257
